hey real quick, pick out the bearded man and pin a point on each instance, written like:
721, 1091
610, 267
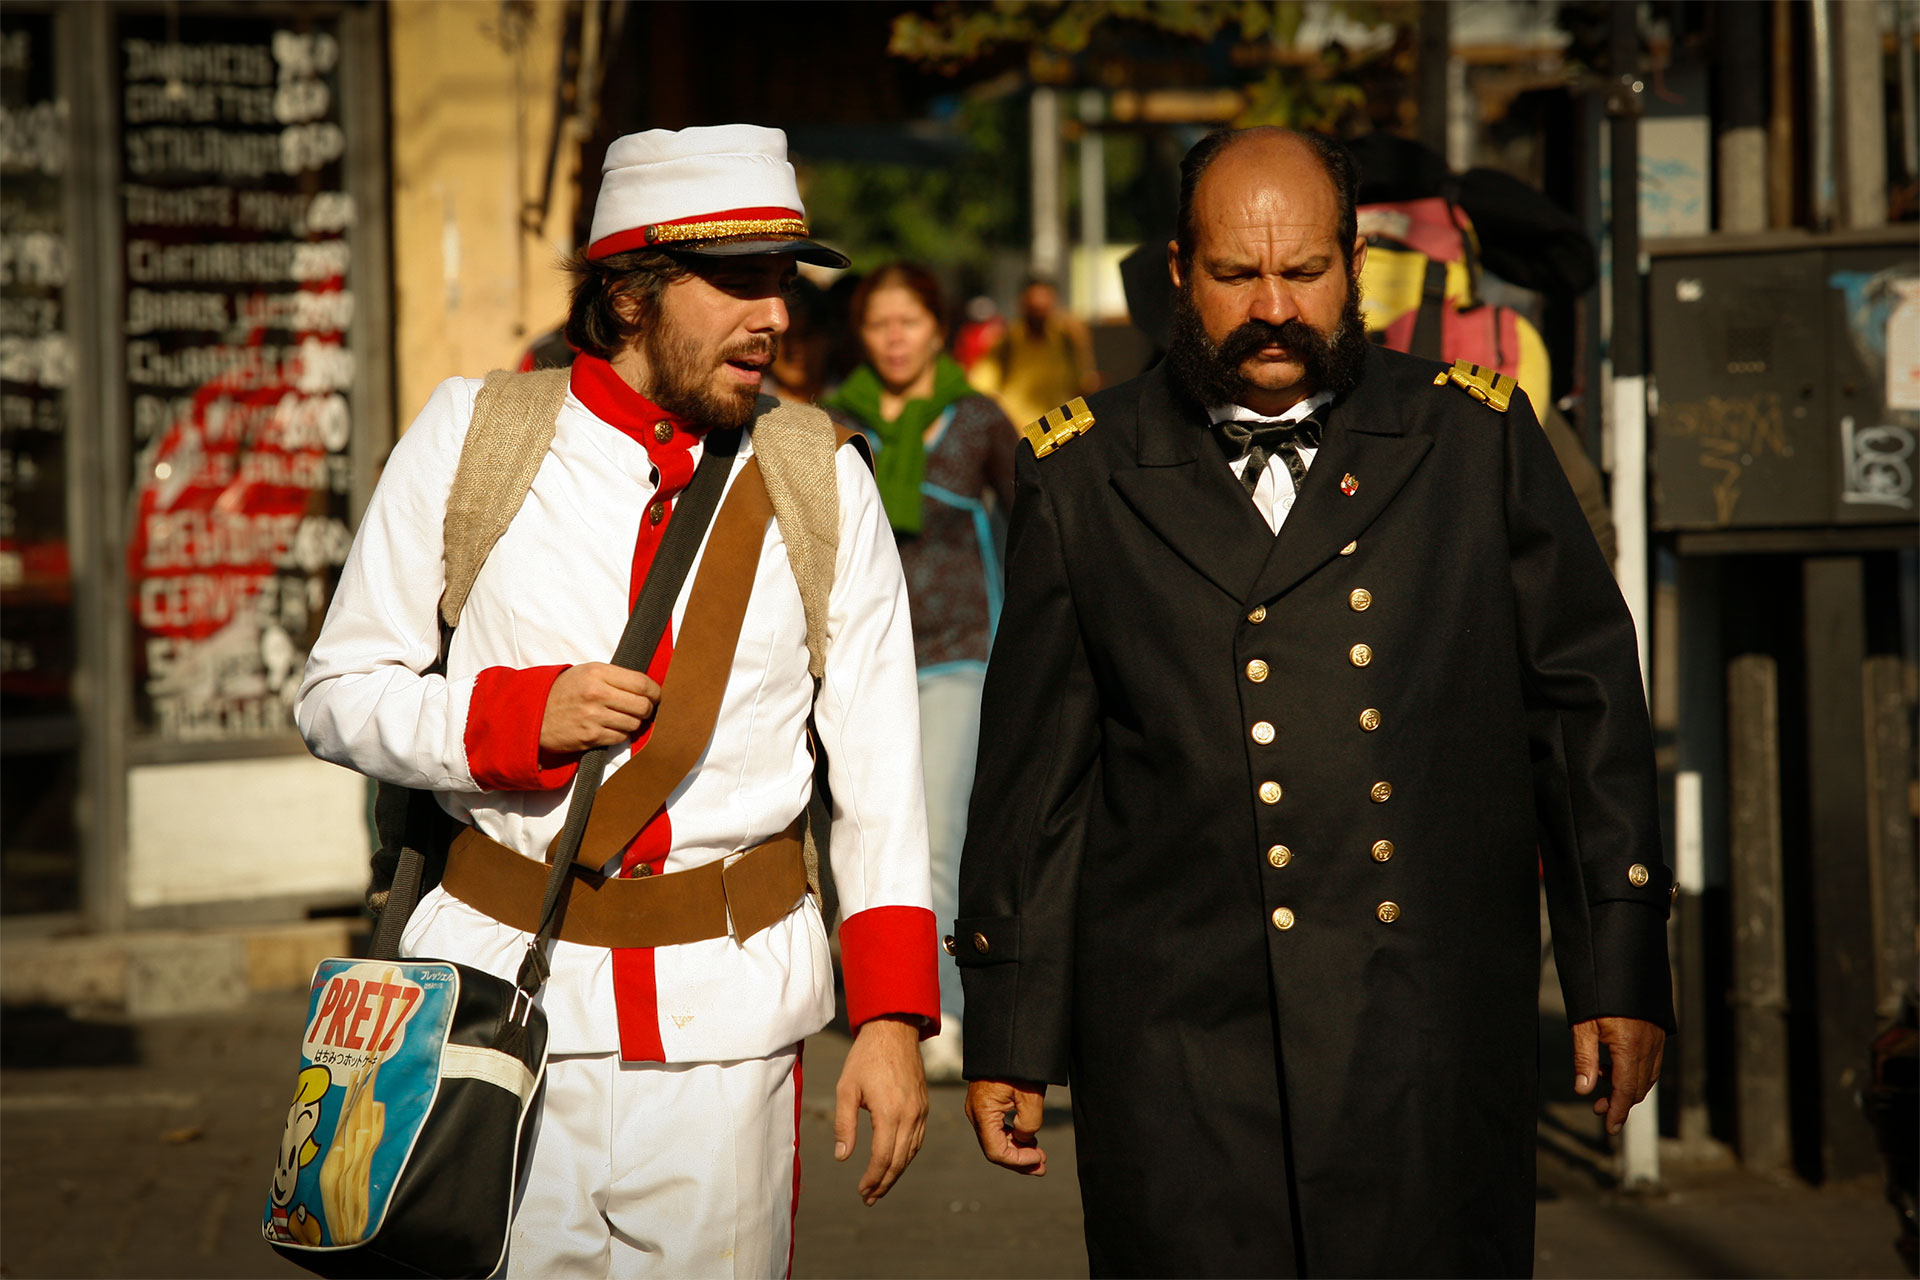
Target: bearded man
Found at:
1307, 661
666, 1143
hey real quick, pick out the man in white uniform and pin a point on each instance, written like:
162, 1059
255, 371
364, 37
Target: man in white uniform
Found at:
667, 1141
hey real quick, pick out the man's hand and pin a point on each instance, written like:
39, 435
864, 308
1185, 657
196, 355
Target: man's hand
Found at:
1006, 1120
596, 704
1636, 1048
884, 1075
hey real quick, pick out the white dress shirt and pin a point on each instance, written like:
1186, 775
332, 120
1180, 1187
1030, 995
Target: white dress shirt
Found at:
1273, 497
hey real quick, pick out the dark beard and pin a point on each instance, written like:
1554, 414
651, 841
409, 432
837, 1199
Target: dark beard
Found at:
1210, 371
680, 385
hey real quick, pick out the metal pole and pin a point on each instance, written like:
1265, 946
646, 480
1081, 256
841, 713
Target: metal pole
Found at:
1905, 55
1626, 342
1820, 19
1860, 116
1436, 47
1782, 201
1758, 907
1640, 1139
1689, 820
1049, 237
1093, 198
1742, 144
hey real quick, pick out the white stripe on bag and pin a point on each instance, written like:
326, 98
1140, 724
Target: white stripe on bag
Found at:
470, 1062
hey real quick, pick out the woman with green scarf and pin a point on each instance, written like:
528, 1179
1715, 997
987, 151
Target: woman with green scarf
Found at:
942, 453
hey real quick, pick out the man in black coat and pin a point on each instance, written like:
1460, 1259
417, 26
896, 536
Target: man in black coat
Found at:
1265, 784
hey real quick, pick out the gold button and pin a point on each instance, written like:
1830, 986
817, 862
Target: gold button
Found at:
1370, 719
1263, 733
1637, 874
1350, 548
663, 431
1382, 850
947, 944
1388, 912
1258, 615
1256, 671
1381, 792
1270, 792
1282, 918
1360, 655
980, 943
1279, 856
643, 870
657, 512
1361, 599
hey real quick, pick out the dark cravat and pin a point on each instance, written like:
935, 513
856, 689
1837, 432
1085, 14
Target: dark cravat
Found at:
1258, 441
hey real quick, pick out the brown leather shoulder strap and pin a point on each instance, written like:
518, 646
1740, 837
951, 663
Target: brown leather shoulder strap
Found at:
844, 436
696, 679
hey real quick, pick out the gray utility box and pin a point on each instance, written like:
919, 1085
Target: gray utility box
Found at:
1786, 372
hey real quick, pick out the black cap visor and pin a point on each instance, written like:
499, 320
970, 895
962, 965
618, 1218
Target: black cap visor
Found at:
809, 251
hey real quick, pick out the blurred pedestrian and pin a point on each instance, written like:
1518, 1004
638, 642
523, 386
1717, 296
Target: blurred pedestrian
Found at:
666, 1140
1045, 356
798, 373
981, 328
941, 451
1306, 651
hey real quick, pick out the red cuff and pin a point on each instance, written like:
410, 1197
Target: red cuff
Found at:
890, 962
503, 731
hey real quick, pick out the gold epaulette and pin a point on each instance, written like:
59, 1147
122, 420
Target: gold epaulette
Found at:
1496, 389
1057, 426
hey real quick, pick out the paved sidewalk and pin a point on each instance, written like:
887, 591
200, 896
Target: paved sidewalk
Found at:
143, 1148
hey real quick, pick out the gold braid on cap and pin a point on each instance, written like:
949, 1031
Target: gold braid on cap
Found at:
727, 228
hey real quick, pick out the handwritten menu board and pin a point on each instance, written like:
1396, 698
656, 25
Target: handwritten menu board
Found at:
238, 232
36, 368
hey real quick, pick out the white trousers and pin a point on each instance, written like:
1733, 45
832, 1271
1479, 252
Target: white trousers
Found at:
651, 1170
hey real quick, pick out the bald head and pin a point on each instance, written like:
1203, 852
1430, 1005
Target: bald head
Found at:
1265, 162
1266, 290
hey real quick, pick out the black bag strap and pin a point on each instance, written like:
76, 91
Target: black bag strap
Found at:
422, 817
1427, 325
679, 546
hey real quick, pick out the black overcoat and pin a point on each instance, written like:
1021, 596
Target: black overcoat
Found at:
1299, 1019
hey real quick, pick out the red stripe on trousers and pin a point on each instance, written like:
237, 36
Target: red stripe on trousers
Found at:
793, 1215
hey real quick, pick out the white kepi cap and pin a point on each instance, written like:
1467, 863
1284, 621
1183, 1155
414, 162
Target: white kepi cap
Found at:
721, 191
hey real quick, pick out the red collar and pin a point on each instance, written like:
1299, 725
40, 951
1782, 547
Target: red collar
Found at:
609, 398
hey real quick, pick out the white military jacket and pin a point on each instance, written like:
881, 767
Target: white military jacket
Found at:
554, 591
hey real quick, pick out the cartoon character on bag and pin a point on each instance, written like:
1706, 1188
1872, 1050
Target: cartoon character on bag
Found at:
296, 1224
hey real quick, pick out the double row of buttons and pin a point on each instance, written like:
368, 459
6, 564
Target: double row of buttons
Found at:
1360, 655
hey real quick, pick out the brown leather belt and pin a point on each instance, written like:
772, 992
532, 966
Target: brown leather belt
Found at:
754, 890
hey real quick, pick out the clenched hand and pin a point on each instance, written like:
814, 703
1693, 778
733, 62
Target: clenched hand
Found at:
883, 1074
596, 704
1006, 1120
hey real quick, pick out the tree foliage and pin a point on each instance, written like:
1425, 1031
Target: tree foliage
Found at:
942, 216
1326, 91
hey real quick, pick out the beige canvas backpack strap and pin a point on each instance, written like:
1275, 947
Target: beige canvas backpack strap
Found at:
795, 444
511, 430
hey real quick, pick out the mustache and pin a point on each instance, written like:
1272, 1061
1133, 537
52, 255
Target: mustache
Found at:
1295, 335
760, 346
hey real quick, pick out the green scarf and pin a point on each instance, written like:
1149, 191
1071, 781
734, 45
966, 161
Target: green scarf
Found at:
900, 463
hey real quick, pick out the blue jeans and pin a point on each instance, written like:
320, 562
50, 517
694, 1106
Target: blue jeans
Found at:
949, 741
